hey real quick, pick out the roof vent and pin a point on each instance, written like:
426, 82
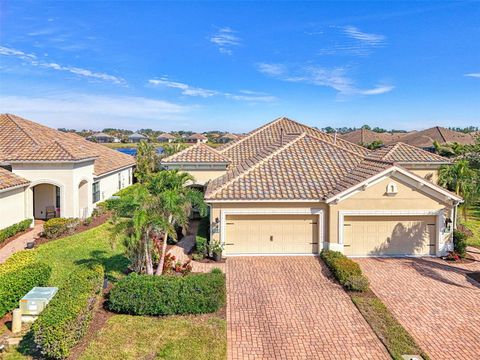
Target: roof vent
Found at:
392, 189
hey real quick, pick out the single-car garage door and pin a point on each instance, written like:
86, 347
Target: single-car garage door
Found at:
271, 234
388, 235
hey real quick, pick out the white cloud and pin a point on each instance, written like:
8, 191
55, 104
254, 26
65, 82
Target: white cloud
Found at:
34, 61
79, 110
370, 39
334, 78
185, 88
474, 75
243, 95
225, 39
271, 69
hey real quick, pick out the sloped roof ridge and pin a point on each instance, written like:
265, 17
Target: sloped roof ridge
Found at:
249, 135
203, 145
392, 149
338, 146
439, 129
12, 119
257, 164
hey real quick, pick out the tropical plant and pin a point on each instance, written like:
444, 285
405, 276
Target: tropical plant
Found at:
147, 161
170, 149
463, 180
147, 217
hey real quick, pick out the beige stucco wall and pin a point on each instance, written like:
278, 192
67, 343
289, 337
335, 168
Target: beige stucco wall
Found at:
204, 176
109, 184
375, 198
12, 207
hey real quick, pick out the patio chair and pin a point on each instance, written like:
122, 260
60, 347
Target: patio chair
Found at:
50, 212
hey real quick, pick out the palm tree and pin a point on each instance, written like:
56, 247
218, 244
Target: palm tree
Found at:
147, 161
463, 180
148, 216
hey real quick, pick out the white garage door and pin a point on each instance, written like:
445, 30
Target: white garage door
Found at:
388, 235
271, 234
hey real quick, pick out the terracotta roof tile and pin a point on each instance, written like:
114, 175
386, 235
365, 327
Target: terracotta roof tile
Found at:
425, 138
9, 179
24, 140
404, 154
198, 153
365, 136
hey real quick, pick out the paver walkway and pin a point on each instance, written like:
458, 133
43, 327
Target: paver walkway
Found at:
289, 308
19, 243
435, 302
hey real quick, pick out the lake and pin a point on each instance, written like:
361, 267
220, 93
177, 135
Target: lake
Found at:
133, 151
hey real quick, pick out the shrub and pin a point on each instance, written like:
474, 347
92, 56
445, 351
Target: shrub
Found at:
18, 275
14, 229
57, 227
346, 271
203, 234
100, 209
460, 243
66, 318
168, 295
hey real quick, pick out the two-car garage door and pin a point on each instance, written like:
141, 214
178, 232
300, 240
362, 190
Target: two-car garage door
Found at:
271, 234
389, 235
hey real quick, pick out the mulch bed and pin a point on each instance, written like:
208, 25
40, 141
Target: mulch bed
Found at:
99, 220
208, 261
468, 259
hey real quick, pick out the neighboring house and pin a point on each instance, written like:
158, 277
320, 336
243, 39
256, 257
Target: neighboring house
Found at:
103, 138
288, 188
365, 136
136, 138
166, 138
424, 139
197, 138
51, 169
227, 138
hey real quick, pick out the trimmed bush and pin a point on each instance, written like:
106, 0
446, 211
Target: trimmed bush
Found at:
18, 275
346, 271
460, 243
203, 234
65, 320
14, 229
57, 227
168, 295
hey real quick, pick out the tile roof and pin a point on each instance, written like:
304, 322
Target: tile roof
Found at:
198, 153
166, 136
248, 146
404, 154
197, 136
303, 168
425, 138
24, 140
365, 136
10, 180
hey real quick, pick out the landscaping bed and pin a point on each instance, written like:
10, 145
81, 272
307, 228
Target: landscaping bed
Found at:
391, 333
14, 231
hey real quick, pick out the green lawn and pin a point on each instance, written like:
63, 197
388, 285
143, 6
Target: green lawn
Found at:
175, 338
473, 223
89, 247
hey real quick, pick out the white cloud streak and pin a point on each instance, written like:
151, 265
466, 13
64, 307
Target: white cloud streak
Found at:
188, 90
33, 60
225, 40
85, 110
370, 39
334, 78
473, 75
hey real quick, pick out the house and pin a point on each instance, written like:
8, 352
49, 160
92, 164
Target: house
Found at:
197, 138
44, 168
366, 136
227, 138
103, 138
424, 139
166, 138
289, 189
136, 138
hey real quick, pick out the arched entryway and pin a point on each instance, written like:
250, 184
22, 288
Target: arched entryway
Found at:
46, 201
83, 199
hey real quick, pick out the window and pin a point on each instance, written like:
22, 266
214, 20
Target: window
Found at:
57, 197
130, 176
96, 192
119, 181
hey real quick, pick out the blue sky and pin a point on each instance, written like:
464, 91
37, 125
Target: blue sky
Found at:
236, 65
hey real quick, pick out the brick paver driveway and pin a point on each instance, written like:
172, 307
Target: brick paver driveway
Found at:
435, 302
287, 308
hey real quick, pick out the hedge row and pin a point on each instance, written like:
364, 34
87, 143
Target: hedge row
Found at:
66, 319
346, 271
18, 275
168, 295
14, 229
56, 227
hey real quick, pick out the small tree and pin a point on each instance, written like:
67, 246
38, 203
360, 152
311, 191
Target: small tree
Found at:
147, 161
